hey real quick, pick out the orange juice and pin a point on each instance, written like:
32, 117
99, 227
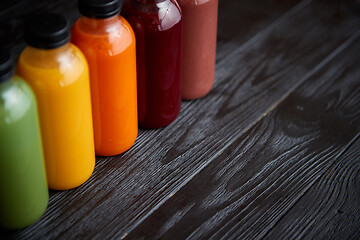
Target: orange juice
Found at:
108, 44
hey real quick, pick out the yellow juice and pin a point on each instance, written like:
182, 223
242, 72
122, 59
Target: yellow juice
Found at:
60, 80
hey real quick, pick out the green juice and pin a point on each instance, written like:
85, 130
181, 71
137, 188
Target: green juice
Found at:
23, 188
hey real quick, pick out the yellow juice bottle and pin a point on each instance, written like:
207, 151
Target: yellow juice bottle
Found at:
58, 74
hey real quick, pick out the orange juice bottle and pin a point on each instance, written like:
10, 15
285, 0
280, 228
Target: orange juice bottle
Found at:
108, 43
58, 74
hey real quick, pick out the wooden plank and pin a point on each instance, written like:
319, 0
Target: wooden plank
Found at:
251, 17
335, 213
295, 174
124, 190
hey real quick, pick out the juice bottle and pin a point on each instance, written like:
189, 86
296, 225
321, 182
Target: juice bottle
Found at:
108, 43
23, 188
200, 27
158, 29
58, 73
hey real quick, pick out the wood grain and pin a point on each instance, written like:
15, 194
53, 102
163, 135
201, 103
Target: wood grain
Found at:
253, 76
251, 17
335, 212
294, 174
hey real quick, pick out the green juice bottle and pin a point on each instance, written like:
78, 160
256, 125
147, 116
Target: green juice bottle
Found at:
23, 189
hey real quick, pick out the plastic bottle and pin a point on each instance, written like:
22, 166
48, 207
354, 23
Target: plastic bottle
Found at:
58, 73
158, 29
108, 43
23, 188
200, 27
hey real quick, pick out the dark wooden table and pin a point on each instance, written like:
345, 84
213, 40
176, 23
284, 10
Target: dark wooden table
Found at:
272, 152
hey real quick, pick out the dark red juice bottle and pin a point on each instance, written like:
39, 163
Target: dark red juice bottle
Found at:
158, 29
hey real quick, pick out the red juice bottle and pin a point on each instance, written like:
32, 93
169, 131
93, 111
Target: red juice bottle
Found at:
158, 29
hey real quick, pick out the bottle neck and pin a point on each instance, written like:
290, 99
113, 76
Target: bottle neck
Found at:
98, 23
150, 1
53, 52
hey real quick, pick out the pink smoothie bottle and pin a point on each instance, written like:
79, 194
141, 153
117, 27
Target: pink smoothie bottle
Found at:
200, 27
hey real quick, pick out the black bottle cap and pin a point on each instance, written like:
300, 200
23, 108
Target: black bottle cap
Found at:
47, 31
6, 66
99, 8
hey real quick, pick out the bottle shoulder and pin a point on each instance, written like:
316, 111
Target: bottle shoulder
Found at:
100, 36
16, 99
92, 27
154, 15
52, 69
68, 56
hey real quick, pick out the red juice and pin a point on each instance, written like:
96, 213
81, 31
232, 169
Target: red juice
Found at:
158, 29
